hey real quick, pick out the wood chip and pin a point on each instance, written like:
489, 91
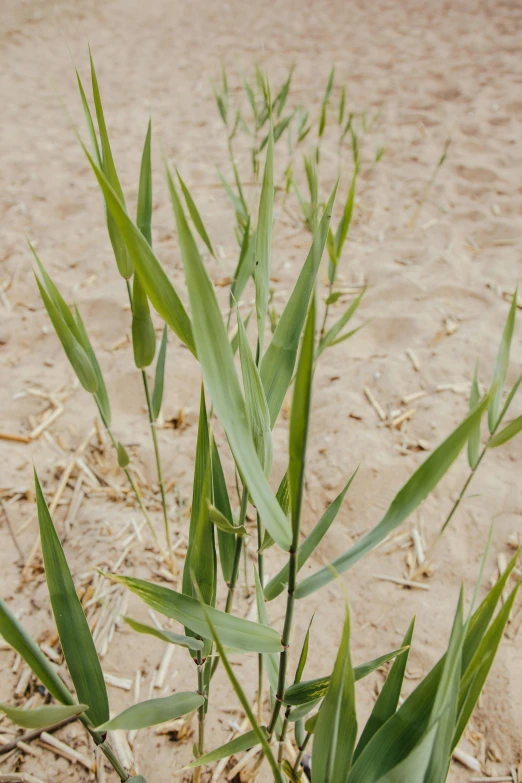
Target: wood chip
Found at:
413, 359
467, 760
64, 750
118, 682
404, 582
399, 421
50, 419
375, 404
13, 437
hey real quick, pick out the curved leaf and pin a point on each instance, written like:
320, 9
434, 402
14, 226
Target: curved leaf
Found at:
41, 717
509, 431
222, 523
73, 629
501, 366
196, 217
144, 208
474, 438
234, 631
159, 381
425, 478
165, 635
244, 742
263, 241
154, 711
217, 362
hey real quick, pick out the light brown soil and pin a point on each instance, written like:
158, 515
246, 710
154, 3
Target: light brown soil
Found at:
436, 70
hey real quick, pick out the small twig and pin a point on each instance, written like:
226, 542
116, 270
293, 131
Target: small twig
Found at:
11, 531
404, 582
375, 404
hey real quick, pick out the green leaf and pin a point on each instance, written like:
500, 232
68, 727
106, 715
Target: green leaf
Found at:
159, 380
123, 457
508, 432
277, 365
154, 280
474, 438
88, 119
232, 748
333, 298
300, 712
336, 728
222, 523
154, 711
235, 632
311, 690
100, 395
136, 779
501, 367
425, 478
331, 335
237, 203
388, 698
221, 499
283, 498
478, 669
15, 634
144, 208
201, 552
77, 356
118, 243
73, 629
280, 99
41, 717
270, 660
256, 404
143, 333
245, 266
217, 362
278, 583
344, 224
509, 398
304, 654
165, 635
299, 420
263, 242
196, 217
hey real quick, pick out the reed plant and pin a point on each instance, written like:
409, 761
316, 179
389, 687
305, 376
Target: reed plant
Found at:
245, 380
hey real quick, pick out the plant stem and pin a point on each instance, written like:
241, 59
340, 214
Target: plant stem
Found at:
154, 434
113, 761
282, 738
201, 713
327, 308
463, 490
301, 752
261, 573
158, 462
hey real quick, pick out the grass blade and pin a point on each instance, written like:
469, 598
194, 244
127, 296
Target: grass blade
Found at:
277, 365
234, 631
331, 335
222, 523
501, 366
41, 717
246, 741
154, 711
166, 636
221, 500
336, 727
143, 333
144, 208
388, 698
159, 380
508, 432
75, 637
15, 634
278, 583
196, 217
425, 478
100, 395
217, 361
474, 438
263, 242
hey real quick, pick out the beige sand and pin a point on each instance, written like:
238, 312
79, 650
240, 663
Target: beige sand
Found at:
436, 69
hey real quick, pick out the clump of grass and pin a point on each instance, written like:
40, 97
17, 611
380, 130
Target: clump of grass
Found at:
409, 741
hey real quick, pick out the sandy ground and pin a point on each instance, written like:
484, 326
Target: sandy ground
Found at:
437, 289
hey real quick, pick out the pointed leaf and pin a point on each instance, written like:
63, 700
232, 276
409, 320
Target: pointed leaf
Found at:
15, 634
263, 242
194, 214
299, 419
278, 583
121, 255
277, 365
100, 395
256, 404
425, 478
222, 523
226, 543
388, 698
41, 717
232, 748
331, 335
165, 635
144, 208
217, 361
501, 366
154, 711
123, 457
73, 629
474, 438
336, 728
159, 380
512, 429
344, 224
270, 660
234, 631
157, 285
143, 333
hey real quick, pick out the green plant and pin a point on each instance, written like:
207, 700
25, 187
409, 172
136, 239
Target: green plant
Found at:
411, 742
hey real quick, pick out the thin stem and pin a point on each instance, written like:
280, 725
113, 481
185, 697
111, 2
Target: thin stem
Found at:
463, 490
161, 482
327, 309
282, 738
301, 752
285, 638
261, 573
113, 761
201, 713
